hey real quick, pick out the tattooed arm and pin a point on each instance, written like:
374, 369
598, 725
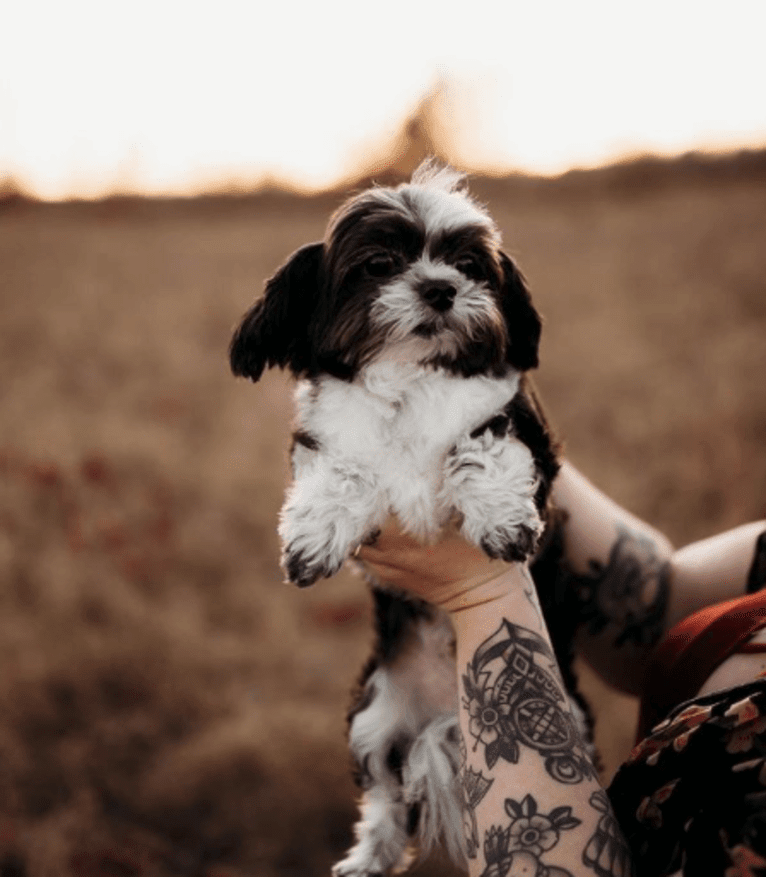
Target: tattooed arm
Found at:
532, 801
632, 586
620, 569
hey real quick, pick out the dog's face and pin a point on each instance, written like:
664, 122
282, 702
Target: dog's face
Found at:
414, 274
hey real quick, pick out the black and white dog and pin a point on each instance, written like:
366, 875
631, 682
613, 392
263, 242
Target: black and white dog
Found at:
410, 332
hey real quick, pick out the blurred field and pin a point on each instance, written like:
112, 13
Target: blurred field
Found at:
167, 705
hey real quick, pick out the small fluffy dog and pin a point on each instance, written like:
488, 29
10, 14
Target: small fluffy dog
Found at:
410, 332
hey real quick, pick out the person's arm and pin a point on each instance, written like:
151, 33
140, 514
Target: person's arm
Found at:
532, 797
632, 585
621, 569
532, 793
716, 569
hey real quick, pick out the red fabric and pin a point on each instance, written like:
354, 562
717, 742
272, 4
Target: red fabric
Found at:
692, 649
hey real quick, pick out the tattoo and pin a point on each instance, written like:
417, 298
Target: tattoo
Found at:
607, 852
613, 593
518, 848
513, 699
475, 787
531, 594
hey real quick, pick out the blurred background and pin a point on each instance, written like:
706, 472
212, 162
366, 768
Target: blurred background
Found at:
167, 705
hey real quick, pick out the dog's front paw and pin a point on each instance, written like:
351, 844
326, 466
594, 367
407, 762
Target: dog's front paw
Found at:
327, 514
314, 545
303, 566
492, 483
510, 543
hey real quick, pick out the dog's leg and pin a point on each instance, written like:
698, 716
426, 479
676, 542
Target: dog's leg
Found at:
403, 737
331, 507
382, 837
491, 480
414, 795
380, 736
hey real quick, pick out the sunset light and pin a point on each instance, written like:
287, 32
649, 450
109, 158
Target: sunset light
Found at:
172, 97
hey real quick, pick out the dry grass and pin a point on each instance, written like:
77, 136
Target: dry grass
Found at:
168, 705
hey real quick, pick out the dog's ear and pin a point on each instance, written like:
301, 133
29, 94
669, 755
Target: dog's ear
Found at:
273, 332
522, 320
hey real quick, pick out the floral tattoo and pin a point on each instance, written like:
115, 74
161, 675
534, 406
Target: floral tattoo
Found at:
513, 699
518, 848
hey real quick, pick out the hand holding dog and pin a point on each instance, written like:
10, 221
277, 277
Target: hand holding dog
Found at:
451, 573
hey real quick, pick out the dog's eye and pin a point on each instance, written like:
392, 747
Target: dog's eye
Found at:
380, 265
471, 267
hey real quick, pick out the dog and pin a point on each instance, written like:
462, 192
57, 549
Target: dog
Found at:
410, 333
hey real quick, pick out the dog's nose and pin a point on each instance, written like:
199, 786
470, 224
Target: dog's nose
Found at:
439, 294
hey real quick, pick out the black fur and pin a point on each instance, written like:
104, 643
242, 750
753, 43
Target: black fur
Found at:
394, 622
306, 440
531, 427
276, 330
523, 321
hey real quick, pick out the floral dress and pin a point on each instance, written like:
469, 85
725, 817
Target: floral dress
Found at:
691, 798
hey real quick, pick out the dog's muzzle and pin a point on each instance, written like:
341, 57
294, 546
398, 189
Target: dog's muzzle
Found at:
438, 294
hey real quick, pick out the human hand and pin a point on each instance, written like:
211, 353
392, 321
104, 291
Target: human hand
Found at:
451, 573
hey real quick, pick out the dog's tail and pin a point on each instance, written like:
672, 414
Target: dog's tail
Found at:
432, 787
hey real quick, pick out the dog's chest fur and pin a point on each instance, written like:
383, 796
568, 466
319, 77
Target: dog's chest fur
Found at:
395, 423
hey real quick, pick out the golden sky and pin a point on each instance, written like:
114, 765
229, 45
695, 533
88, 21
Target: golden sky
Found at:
168, 96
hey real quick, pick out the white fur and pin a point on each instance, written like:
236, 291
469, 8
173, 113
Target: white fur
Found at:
438, 203
432, 775
384, 442
381, 837
382, 828
399, 310
492, 484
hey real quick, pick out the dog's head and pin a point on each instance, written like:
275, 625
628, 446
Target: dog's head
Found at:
413, 273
